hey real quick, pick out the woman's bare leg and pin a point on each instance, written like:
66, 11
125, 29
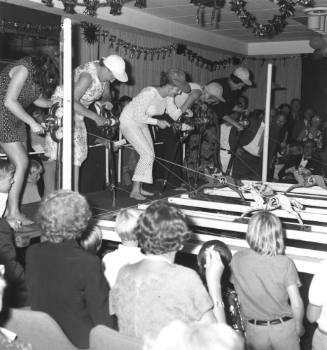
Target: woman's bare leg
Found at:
136, 191
76, 178
17, 154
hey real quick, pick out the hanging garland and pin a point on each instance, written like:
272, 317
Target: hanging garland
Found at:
275, 25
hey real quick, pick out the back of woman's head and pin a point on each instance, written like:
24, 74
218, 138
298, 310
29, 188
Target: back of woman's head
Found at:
45, 74
224, 252
196, 336
161, 229
265, 234
63, 215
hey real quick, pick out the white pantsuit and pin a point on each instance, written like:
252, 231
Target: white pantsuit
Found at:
134, 121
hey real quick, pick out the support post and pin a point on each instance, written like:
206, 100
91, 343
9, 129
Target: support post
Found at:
67, 106
267, 124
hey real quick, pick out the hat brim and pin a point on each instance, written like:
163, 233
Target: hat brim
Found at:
247, 82
121, 77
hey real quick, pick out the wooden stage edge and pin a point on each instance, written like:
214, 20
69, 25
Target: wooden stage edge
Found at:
218, 218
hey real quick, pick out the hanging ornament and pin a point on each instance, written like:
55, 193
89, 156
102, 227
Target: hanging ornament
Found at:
90, 32
140, 4
115, 7
69, 6
274, 26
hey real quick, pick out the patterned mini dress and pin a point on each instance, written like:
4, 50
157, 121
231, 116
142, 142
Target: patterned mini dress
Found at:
13, 129
92, 94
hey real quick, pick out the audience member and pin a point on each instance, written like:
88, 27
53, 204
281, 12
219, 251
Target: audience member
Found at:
31, 192
313, 131
308, 158
296, 110
298, 126
181, 336
90, 239
265, 280
15, 294
62, 278
317, 308
127, 252
8, 339
228, 295
150, 294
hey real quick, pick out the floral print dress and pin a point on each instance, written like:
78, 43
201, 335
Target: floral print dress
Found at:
92, 94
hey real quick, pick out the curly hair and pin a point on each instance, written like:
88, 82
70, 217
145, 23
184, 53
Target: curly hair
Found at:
45, 74
63, 215
162, 228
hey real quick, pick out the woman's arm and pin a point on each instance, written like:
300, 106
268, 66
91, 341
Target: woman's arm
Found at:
214, 271
80, 87
43, 102
193, 96
18, 79
297, 307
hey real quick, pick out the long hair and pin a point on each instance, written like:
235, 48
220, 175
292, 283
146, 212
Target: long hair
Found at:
265, 234
45, 74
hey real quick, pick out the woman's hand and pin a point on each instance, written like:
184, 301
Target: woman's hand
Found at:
36, 128
214, 269
100, 121
163, 124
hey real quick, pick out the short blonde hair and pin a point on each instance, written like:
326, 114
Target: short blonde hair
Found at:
265, 234
91, 239
196, 336
126, 222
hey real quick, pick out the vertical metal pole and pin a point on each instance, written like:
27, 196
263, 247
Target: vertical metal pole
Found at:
267, 124
67, 106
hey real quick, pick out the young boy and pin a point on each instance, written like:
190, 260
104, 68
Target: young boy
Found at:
31, 193
7, 171
127, 252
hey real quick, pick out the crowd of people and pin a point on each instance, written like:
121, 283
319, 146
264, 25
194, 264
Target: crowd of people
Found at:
250, 299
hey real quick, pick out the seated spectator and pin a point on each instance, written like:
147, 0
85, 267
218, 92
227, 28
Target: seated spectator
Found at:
308, 159
15, 294
150, 294
31, 192
180, 336
317, 308
37, 143
90, 239
7, 338
299, 126
7, 171
62, 278
229, 296
127, 252
265, 280
313, 131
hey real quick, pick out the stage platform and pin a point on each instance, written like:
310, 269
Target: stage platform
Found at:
213, 216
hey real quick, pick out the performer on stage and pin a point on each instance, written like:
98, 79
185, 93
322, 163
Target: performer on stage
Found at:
90, 81
209, 94
136, 117
28, 80
232, 87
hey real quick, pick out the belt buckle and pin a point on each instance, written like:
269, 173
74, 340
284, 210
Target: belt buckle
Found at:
276, 321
